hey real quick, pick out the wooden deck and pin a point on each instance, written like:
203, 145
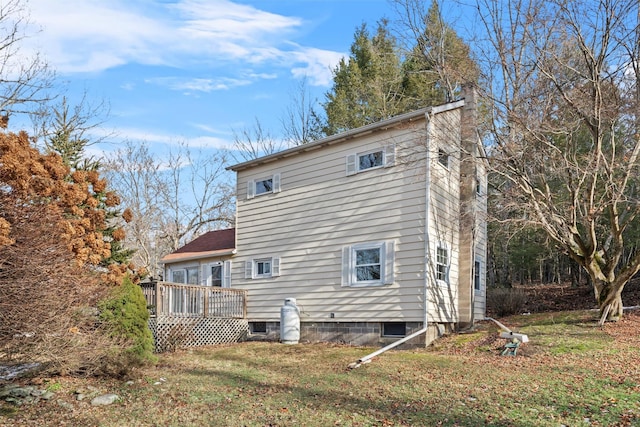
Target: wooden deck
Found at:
190, 316
180, 300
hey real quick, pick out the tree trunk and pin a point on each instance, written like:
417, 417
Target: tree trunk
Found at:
609, 297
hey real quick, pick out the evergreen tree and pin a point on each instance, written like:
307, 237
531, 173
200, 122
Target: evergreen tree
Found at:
379, 80
66, 137
367, 86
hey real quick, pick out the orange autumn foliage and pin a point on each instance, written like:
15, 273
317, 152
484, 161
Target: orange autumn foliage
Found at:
28, 177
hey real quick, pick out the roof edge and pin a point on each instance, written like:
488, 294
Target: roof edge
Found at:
190, 256
353, 133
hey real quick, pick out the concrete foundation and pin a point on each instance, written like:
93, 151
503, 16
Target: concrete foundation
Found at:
366, 334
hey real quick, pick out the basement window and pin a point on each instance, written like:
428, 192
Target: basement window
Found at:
258, 327
394, 329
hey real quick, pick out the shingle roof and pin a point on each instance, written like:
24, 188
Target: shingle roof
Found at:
211, 241
210, 244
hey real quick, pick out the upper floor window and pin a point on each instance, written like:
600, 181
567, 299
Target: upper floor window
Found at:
266, 185
360, 162
476, 276
368, 264
443, 158
370, 160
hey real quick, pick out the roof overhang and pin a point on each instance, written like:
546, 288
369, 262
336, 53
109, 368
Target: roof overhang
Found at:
189, 256
334, 139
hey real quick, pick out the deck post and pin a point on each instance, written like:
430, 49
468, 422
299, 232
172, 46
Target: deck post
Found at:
158, 299
205, 295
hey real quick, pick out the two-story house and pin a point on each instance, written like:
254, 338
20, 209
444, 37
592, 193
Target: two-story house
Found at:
377, 232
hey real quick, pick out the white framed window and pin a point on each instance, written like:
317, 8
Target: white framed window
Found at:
442, 263
260, 268
186, 275
360, 162
368, 264
443, 158
266, 185
217, 274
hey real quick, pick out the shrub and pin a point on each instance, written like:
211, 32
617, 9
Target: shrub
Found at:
125, 317
506, 301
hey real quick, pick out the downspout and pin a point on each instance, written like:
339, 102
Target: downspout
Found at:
369, 357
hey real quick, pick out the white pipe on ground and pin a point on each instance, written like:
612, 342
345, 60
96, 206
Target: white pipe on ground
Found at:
367, 358
508, 333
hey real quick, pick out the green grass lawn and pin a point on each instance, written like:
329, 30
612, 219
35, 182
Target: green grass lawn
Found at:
571, 373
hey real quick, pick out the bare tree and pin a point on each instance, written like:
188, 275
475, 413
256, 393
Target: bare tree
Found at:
195, 194
301, 123
76, 125
430, 40
134, 172
253, 142
561, 80
24, 80
172, 200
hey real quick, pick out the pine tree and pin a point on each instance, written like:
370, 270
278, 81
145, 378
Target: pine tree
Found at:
367, 86
67, 139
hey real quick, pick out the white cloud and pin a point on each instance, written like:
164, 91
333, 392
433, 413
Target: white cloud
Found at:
197, 84
94, 35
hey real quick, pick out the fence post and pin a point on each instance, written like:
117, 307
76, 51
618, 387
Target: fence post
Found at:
206, 297
158, 299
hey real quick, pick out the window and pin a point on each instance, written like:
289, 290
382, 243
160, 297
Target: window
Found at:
360, 162
394, 329
266, 185
193, 278
370, 160
178, 276
188, 275
262, 267
258, 327
442, 264
216, 275
368, 264
476, 276
443, 158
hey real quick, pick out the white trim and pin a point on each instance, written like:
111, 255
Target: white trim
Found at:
251, 189
351, 164
389, 155
226, 274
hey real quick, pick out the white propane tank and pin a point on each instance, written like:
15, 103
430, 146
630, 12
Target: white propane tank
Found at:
289, 322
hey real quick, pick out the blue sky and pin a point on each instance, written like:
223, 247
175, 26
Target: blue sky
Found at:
194, 70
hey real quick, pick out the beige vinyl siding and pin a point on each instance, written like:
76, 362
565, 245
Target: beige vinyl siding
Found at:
480, 298
444, 215
319, 211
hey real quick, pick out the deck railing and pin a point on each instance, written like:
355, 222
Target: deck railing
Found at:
180, 300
